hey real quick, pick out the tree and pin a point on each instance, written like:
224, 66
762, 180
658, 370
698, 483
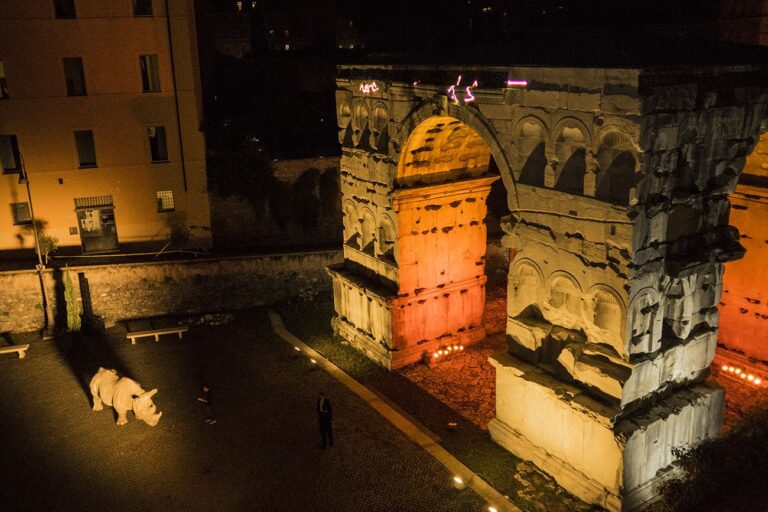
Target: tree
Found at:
48, 245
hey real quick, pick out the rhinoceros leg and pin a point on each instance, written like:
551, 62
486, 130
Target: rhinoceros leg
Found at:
121, 418
97, 406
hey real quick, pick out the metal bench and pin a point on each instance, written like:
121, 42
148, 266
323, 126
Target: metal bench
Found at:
156, 332
21, 350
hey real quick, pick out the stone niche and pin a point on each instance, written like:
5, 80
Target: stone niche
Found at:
617, 184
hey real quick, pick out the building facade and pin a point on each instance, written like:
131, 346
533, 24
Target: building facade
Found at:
100, 111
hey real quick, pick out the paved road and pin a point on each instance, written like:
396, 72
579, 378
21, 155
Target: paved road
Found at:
262, 455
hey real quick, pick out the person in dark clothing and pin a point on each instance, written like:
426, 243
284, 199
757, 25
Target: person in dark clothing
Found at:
207, 400
324, 416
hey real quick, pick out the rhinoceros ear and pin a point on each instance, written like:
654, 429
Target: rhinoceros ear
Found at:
149, 394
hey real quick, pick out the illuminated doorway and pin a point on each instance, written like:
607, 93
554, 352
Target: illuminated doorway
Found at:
96, 222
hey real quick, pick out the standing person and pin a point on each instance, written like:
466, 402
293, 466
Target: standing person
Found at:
324, 416
207, 400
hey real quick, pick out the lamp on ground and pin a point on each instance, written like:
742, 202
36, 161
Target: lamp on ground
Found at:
47, 316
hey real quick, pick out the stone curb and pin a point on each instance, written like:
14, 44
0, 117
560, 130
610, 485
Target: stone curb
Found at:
480, 486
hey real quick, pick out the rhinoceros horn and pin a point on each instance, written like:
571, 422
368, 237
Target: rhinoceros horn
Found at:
145, 410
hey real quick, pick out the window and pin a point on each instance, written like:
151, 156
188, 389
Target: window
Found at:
165, 201
150, 80
3, 84
74, 76
142, 7
157, 143
65, 9
86, 151
9, 154
20, 214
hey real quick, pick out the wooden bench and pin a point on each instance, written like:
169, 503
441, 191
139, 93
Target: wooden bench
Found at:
21, 350
156, 332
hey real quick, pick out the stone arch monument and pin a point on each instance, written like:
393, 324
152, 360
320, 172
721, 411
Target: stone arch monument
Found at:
618, 231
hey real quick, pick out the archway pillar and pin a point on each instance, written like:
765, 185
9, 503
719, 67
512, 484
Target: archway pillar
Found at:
550, 173
590, 176
436, 297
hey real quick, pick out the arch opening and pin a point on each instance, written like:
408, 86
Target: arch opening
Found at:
445, 179
442, 149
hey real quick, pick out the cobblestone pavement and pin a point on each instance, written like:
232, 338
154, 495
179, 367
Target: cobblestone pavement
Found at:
262, 455
465, 380
740, 398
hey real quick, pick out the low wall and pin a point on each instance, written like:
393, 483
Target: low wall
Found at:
137, 290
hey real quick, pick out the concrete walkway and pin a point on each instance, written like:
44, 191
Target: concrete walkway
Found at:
495, 500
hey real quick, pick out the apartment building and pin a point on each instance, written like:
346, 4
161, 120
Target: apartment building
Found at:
100, 116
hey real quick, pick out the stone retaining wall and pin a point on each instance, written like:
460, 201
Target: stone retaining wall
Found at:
138, 290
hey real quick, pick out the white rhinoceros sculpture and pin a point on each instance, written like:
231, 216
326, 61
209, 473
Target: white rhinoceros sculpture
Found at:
124, 395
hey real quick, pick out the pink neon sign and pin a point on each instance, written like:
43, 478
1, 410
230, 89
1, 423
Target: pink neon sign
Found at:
369, 87
517, 83
468, 95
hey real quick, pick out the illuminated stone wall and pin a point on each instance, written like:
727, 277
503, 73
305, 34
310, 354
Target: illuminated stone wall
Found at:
141, 290
744, 304
617, 184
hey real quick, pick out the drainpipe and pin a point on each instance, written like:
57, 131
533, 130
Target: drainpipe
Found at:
175, 94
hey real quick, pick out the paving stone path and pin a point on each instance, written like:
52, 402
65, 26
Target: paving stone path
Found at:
262, 455
465, 380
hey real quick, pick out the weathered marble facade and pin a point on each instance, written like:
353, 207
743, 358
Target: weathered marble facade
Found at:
617, 183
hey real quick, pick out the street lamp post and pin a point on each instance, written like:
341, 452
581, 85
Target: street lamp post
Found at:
47, 316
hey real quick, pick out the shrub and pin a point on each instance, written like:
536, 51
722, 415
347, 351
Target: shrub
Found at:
73, 305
